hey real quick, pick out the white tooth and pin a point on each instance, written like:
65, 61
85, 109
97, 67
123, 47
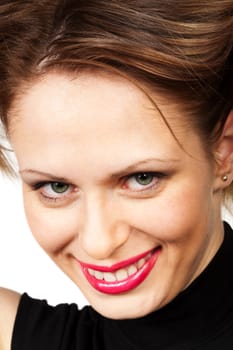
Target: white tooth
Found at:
148, 256
121, 275
109, 277
141, 263
91, 272
131, 270
99, 275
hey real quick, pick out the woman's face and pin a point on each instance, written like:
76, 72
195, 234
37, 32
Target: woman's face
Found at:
125, 211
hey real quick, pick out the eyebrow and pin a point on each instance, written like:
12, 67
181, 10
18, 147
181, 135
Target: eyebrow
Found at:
45, 174
124, 171
145, 162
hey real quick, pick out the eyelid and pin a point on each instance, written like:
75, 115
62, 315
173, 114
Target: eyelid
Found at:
152, 173
38, 184
146, 188
66, 196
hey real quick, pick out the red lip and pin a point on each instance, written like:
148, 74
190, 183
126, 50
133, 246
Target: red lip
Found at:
129, 283
116, 266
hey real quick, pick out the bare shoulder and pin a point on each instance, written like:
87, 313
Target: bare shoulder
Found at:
9, 301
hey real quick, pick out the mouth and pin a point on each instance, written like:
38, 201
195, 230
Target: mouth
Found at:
121, 277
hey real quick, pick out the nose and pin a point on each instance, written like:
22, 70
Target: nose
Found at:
102, 231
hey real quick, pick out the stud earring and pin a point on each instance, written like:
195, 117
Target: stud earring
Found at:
224, 178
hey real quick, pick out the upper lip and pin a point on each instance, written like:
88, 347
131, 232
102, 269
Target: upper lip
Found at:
119, 265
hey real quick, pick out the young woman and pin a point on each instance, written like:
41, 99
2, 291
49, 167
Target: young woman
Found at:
120, 116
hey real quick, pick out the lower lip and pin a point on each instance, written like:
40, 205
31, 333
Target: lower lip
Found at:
126, 285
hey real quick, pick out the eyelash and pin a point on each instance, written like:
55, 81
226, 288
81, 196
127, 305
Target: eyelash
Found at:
40, 186
125, 181
155, 178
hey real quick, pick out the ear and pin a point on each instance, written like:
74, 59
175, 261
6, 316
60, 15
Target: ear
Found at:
224, 155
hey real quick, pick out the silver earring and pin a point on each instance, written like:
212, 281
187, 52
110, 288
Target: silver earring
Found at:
224, 178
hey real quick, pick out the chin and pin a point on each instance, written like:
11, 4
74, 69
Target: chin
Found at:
120, 314
122, 307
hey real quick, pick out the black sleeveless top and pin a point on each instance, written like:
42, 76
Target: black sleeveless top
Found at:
201, 317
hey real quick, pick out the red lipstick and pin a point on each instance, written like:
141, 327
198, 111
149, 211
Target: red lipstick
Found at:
123, 276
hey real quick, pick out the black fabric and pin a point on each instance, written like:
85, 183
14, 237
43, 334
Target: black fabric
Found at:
200, 318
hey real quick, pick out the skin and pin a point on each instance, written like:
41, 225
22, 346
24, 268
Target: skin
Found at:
8, 304
94, 133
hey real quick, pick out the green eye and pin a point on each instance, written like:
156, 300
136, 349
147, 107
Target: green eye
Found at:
59, 187
144, 179
141, 182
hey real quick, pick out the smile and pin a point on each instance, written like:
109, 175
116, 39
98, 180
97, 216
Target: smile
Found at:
121, 277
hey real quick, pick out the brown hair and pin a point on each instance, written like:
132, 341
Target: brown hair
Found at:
5, 165
2, 161
183, 48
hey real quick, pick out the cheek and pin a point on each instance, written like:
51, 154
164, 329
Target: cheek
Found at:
52, 228
171, 217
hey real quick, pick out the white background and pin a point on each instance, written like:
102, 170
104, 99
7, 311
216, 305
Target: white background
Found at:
23, 264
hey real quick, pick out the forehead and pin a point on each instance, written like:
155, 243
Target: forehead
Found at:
55, 92
95, 115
